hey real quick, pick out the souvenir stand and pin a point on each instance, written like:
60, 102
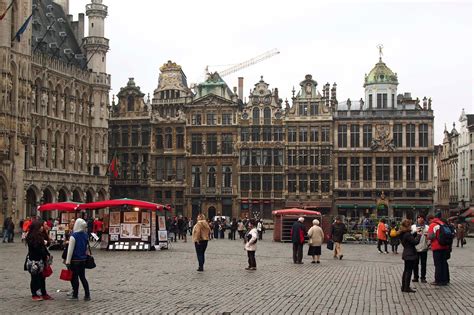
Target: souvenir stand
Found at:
161, 231
283, 221
131, 224
66, 211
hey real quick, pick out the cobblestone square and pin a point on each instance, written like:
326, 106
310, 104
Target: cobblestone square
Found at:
166, 281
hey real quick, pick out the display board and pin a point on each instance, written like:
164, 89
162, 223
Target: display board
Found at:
130, 230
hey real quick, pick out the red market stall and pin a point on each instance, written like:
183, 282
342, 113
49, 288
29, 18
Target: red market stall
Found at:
283, 220
68, 210
130, 224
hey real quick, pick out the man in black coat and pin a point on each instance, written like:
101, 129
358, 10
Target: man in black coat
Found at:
298, 232
338, 229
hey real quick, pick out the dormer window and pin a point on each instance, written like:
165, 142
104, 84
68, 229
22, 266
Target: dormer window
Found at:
130, 103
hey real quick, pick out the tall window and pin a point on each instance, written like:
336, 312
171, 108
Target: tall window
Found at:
169, 138
267, 157
255, 133
179, 138
159, 138
169, 168
397, 135
325, 186
196, 176
382, 169
291, 157
342, 168
278, 182
211, 143
255, 182
291, 183
325, 155
211, 176
355, 170
370, 101
227, 119
179, 169
302, 157
244, 182
227, 176
303, 135
342, 136
423, 168
423, 135
410, 136
410, 168
367, 137
227, 144
355, 136
196, 144
256, 116
267, 133
325, 130
278, 134
314, 134
196, 119
211, 119
314, 109
125, 138
244, 157
398, 168
303, 109
267, 116
382, 100
314, 182
145, 137
314, 157
393, 101
160, 168
255, 157
303, 183
277, 157
267, 182
291, 134
244, 134
134, 136
367, 167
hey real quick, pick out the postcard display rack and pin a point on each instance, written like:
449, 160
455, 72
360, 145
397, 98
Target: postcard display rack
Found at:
57, 234
131, 230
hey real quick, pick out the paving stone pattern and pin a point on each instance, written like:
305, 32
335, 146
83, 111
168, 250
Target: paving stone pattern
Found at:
364, 282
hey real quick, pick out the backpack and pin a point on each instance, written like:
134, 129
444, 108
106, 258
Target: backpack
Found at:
393, 232
446, 235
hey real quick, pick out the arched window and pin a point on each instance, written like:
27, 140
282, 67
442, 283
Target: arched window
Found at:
169, 138
267, 116
130, 103
227, 177
256, 116
211, 177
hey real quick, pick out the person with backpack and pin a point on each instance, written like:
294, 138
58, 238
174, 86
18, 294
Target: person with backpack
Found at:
298, 232
421, 248
382, 236
394, 238
441, 236
251, 245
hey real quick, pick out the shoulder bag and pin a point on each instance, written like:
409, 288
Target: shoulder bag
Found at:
90, 262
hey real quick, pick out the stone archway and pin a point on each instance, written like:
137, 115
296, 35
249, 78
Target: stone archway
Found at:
46, 198
62, 195
211, 212
31, 202
76, 196
101, 195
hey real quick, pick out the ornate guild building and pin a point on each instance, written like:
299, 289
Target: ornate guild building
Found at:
53, 106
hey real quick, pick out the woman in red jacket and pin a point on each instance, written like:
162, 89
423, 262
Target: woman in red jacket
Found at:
382, 236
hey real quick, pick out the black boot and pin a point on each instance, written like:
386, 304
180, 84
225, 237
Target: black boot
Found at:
406, 283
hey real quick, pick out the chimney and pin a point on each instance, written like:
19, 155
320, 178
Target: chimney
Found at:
241, 87
80, 28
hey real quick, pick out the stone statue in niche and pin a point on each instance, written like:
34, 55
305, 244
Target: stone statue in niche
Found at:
61, 104
44, 99
71, 155
53, 99
43, 151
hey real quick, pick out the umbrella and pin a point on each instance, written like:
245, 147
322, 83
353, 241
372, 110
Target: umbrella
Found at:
67, 206
121, 202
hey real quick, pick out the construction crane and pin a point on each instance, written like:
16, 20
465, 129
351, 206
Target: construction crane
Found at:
247, 63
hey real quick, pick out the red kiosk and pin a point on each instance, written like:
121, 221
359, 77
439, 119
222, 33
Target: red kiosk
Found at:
283, 220
68, 210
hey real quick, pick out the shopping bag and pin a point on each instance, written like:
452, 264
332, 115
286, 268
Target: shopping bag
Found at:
66, 275
47, 271
330, 245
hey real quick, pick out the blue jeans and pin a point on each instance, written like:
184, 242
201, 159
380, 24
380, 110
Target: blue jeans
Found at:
6, 236
200, 251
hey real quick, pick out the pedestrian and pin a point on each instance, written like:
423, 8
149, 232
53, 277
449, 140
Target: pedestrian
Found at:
67, 236
77, 252
315, 240
222, 228
421, 249
459, 235
240, 229
37, 259
6, 231
394, 238
251, 245
298, 232
184, 229
201, 232
260, 229
190, 226
338, 229
441, 250
382, 236
216, 229
409, 241
233, 228
11, 231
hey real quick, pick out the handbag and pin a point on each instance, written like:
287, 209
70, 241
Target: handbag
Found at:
330, 244
47, 271
464, 241
65, 275
90, 262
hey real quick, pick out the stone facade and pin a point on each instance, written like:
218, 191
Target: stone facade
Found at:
54, 106
210, 152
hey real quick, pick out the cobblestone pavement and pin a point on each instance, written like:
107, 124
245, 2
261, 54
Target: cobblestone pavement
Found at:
364, 282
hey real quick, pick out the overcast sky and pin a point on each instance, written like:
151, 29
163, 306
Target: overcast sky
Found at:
429, 44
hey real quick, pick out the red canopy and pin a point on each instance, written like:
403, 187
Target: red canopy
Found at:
68, 206
295, 211
121, 202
